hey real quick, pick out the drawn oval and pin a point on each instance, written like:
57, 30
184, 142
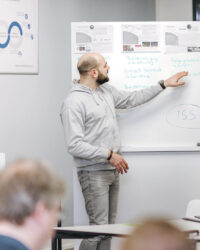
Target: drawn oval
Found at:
184, 116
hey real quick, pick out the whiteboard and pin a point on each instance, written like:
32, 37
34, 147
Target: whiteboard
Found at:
19, 36
139, 55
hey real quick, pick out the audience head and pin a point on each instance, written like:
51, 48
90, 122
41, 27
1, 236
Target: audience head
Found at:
157, 234
30, 195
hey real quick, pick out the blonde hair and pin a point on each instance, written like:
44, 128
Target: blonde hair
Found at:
157, 234
23, 183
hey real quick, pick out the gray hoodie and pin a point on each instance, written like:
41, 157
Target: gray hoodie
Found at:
90, 125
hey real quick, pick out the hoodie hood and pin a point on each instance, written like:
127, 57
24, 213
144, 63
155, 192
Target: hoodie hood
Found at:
77, 87
80, 87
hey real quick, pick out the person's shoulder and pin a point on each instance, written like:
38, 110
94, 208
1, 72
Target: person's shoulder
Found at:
107, 87
72, 100
10, 243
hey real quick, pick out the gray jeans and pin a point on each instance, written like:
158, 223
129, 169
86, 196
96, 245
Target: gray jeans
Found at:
100, 190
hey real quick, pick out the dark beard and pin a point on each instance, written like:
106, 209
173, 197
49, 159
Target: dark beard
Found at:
102, 79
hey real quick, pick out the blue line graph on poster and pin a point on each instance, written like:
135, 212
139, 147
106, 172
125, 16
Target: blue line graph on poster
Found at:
13, 24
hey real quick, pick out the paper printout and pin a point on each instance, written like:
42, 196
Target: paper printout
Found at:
140, 38
182, 38
94, 37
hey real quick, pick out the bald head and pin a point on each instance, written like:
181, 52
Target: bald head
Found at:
88, 61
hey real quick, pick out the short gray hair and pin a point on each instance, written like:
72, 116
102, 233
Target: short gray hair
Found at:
25, 182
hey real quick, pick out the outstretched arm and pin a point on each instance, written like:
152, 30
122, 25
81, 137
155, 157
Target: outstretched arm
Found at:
131, 99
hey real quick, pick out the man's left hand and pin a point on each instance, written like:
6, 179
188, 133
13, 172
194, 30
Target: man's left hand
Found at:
173, 81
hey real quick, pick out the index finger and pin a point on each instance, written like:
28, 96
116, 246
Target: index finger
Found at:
182, 74
126, 164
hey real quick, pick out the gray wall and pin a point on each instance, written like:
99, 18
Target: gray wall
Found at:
30, 104
170, 10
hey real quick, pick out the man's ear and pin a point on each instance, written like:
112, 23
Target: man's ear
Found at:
39, 212
94, 73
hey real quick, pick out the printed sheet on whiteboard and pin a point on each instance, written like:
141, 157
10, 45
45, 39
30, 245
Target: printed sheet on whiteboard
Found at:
94, 37
141, 37
19, 36
182, 37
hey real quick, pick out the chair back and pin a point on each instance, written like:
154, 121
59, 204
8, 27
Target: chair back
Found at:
193, 209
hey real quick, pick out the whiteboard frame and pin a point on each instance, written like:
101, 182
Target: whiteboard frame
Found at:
137, 148
132, 148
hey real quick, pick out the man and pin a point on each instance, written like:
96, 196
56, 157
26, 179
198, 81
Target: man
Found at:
30, 195
90, 125
157, 234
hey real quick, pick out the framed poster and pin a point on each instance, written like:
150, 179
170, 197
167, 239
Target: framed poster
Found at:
19, 36
196, 10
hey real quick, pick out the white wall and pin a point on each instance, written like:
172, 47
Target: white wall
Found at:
174, 10
30, 104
